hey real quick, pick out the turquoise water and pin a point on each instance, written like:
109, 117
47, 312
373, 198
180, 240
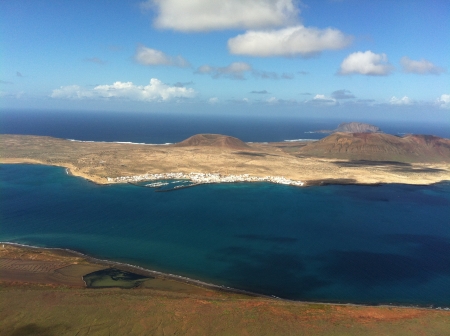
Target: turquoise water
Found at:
361, 244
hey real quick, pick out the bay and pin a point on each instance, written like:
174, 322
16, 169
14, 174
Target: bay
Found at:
358, 244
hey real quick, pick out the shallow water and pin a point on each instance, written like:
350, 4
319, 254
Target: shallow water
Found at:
361, 244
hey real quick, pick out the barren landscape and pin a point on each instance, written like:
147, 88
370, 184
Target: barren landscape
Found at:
351, 158
49, 283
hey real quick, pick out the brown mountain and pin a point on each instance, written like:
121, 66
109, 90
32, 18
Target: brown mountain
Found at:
380, 147
213, 140
355, 127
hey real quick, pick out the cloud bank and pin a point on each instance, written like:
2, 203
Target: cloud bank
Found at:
291, 41
235, 70
400, 101
207, 15
422, 67
322, 100
155, 91
366, 63
342, 94
148, 56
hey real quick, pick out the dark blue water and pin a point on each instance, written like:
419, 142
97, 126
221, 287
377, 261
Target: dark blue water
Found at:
386, 244
169, 127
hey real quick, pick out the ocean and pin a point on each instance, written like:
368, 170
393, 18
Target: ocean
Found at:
158, 128
387, 244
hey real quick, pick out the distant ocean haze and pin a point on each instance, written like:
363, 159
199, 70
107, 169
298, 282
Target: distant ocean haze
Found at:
360, 244
160, 128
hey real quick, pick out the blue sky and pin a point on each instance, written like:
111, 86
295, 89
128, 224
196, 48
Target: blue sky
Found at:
349, 58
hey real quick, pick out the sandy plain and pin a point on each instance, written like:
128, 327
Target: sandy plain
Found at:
96, 161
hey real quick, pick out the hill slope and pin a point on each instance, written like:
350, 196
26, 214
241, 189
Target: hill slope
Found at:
380, 147
214, 140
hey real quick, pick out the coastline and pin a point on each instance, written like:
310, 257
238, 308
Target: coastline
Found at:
147, 272
73, 171
283, 162
140, 270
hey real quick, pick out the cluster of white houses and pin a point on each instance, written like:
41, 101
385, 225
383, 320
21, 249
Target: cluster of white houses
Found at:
201, 178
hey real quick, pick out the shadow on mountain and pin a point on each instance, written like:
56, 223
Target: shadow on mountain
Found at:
331, 181
369, 163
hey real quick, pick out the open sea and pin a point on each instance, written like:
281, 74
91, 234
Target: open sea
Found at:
388, 244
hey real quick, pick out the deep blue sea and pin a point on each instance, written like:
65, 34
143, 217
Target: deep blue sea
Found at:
359, 244
160, 128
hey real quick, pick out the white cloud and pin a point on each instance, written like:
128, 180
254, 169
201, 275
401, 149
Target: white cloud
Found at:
323, 100
443, 101
291, 41
366, 63
205, 15
235, 70
213, 100
148, 56
272, 100
155, 91
421, 67
71, 92
400, 101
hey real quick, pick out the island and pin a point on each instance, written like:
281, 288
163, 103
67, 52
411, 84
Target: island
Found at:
351, 127
341, 158
62, 292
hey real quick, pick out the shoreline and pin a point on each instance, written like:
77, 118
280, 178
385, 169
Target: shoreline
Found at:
140, 270
145, 271
305, 183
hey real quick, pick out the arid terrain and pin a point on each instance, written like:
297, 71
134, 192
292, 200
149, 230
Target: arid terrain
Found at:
42, 293
365, 158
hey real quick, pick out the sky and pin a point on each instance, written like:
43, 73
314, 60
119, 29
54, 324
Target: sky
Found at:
351, 58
